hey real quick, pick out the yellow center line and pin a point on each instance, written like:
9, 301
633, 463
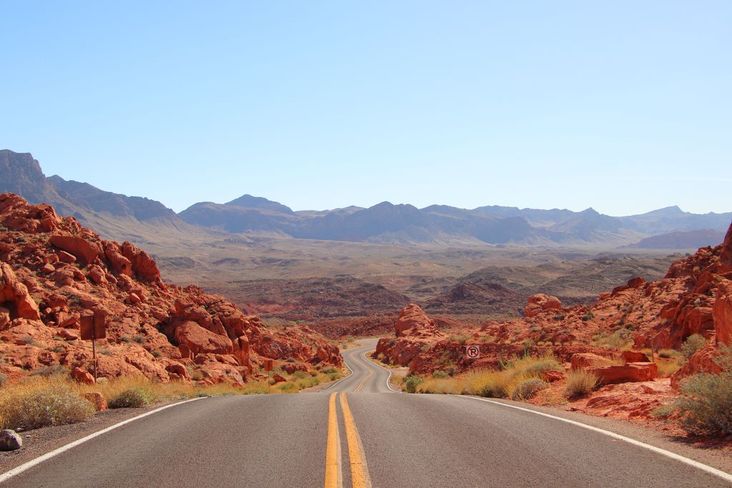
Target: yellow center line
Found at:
333, 477
359, 469
363, 381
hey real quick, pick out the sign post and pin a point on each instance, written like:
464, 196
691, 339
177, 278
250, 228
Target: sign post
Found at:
93, 326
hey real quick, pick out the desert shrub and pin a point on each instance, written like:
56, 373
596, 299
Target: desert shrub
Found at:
493, 384
131, 398
620, 339
3, 380
692, 344
705, 405
300, 375
526, 389
588, 316
42, 402
440, 374
52, 370
579, 383
459, 338
533, 366
330, 370
411, 383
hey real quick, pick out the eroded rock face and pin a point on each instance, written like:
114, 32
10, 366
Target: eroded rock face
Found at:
54, 271
413, 321
14, 296
540, 303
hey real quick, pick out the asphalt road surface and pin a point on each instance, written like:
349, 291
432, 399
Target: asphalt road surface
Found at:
356, 433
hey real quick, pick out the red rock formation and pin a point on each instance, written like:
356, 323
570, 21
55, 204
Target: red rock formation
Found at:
413, 321
54, 271
540, 303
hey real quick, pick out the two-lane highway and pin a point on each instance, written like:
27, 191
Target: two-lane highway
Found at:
357, 433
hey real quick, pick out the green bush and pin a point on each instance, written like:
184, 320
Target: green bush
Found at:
528, 388
705, 406
411, 383
692, 344
440, 374
132, 398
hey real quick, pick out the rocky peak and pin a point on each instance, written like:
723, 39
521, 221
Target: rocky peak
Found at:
414, 321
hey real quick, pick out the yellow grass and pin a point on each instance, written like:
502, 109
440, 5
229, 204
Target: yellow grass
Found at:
39, 401
492, 383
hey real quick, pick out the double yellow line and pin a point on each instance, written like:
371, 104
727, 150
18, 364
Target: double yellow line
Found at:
357, 460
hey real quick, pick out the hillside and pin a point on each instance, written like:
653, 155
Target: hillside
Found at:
56, 274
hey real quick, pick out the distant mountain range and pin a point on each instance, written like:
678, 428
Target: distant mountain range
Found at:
111, 213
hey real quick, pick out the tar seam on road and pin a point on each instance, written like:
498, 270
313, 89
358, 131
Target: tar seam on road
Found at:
678, 457
33, 462
333, 478
359, 468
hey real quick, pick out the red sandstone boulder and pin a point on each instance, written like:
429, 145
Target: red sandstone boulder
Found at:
588, 360
82, 376
635, 357
540, 303
630, 372
16, 294
194, 339
85, 251
96, 399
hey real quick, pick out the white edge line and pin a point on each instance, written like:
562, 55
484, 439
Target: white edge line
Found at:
696, 464
33, 462
388, 378
345, 377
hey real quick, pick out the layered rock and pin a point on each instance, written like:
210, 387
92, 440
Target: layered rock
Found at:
540, 303
54, 273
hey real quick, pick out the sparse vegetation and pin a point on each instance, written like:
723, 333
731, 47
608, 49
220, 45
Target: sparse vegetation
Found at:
705, 407
528, 388
411, 383
132, 398
40, 402
669, 361
692, 344
619, 339
518, 378
579, 383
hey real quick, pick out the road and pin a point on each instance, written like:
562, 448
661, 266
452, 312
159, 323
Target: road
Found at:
356, 433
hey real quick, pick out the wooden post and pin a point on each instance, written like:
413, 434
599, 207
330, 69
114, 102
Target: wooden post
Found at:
94, 353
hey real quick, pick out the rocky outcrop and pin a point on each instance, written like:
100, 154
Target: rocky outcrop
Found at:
540, 303
725, 255
413, 321
15, 301
54, 273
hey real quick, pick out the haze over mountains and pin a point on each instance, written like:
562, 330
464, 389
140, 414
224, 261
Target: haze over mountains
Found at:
121, 217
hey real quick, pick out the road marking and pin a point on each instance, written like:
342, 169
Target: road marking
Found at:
344, 378
359, 468
333, 477
368, 376
388, 378
678, 457
34, 462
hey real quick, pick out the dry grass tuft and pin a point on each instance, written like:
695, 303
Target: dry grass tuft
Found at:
580, 383
516, 380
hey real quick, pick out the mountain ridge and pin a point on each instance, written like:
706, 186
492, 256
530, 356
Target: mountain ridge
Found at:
384, 222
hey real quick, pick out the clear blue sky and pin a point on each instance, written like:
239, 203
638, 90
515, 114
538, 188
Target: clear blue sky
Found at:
622, 106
